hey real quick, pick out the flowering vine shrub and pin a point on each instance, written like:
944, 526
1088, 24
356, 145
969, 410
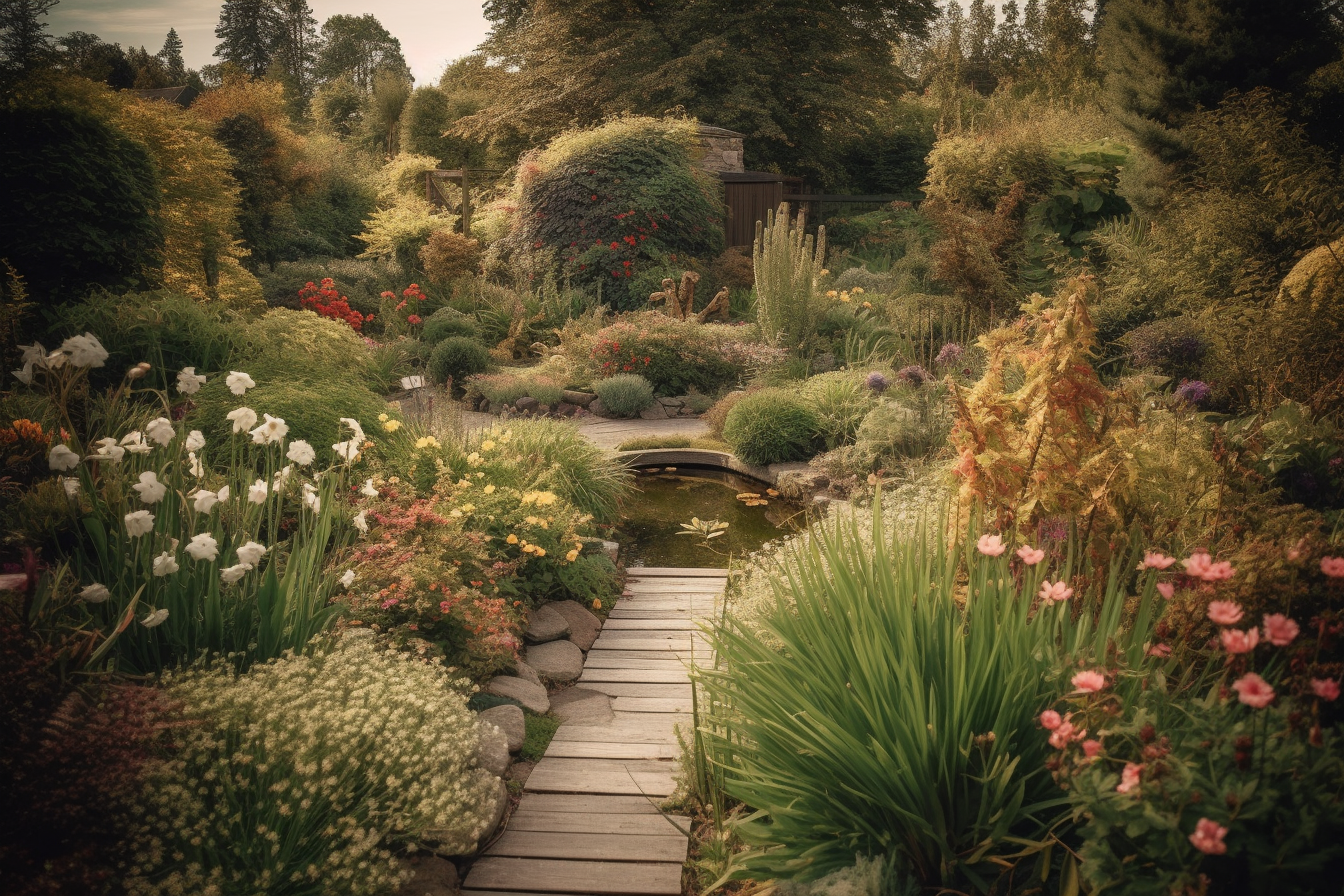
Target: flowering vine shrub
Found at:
327, 301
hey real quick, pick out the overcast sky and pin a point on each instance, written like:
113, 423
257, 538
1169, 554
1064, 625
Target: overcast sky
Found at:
432, 32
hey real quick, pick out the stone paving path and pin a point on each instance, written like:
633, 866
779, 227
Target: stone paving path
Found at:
588, 821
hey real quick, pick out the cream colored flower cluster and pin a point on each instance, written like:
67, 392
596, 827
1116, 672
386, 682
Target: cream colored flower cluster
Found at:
306, 770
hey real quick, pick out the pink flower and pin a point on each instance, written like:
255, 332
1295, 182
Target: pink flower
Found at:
1089, 682
1280, 630
1050, 720
1060, 737
1129, 778
1219, 572
1333, 567
1029, 555
1166, 589
990, 545
1225, 612
1159, 650
1208, 837
1091, 748
1155, 560
1197, 564
1253, 690
1237, 641
1325, 688
1052, 592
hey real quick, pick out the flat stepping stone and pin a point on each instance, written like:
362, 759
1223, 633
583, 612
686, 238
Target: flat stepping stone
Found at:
581, 706
560, 661
583, 625
510, 720
546, 625
533, 696
517, 875
527, 673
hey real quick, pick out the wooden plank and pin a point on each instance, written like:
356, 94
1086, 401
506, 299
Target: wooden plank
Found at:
613, 776
652, 704
663, 624
681, 689
629, 645
650, 728
587, 804
670, 847
613, 659
663, 676
559, 876
578, 749
681, 634
677, 572
639, 611
597, 823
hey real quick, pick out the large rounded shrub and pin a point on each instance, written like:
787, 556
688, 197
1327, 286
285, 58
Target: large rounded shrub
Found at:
608, 203
772, 426
448, 322
625, 394
312, 410
457, 358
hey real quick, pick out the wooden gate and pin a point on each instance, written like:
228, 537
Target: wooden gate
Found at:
749, 195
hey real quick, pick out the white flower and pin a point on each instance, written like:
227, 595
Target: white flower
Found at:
348, 579
154, 618
194, 465
62, 458
139, 522
238, 383
189, 382
368, 490
195, 440
251, 553
95, 593
150, 488
165, 564
108, 450
273, 430
301, 453
135, 443
310, 498
203, 547
355, 428
347, 451
282, 476
224, 493
71, 486
85, 351
33, 354
231, 574
24, 375
243, 419
54, 360
203, 500
161, 430
256, 493
361, 523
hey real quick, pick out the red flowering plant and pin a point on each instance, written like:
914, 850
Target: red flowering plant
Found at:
1222, 770
673, 355
403, 314
327, 301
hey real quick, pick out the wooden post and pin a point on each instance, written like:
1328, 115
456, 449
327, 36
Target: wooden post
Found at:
466, 203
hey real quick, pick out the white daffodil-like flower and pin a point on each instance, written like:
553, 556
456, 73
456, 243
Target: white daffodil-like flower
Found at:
310, 498
135, 443
361, 523
347, 451
243, 419
189, 382
239, 382
165, 564
71, 486
150, 488
356, 430
139, 522
55, 360
301, 452
282, 476
203, 547
108, 450
348, 579
224, 493
154, 618
195, 440
95, 593
62, 459
194, 465
368, 490
85, 351
256, 493
33, 354
251, 553
161, 430
231, 574
203, 500
273, 430
24, 374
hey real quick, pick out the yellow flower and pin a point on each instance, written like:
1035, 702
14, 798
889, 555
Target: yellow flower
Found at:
382, 418
597, 603
858, 290
541, 499
468, 508
455, 514
824, 272
391, 425
463, 483
426, 442
512, 539
487, 445
572, 555
540, 552
867, 304
474, 459
529, 548
830, 293
844, 297
489, 489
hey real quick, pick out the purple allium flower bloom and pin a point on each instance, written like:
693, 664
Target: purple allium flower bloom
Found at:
914, 375
1193, 392
877, 382
949, 355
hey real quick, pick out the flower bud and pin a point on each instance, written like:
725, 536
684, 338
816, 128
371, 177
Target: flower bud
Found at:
138, 371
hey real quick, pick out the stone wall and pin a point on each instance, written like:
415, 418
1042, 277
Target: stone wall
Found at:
723, 149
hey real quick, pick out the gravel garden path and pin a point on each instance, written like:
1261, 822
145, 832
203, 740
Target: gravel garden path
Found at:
588, 821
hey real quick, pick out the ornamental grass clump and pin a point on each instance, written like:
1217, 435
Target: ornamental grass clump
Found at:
625, 394
772, 426
788, 264
886, 703
301, 776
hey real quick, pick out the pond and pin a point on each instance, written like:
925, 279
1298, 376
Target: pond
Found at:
670, 496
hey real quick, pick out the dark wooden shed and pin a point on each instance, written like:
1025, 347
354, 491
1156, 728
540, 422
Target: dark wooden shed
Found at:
749, 196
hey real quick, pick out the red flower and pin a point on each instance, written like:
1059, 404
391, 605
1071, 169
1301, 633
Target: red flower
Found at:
413, 319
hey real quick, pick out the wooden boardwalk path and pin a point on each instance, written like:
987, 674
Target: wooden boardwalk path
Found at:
588, 821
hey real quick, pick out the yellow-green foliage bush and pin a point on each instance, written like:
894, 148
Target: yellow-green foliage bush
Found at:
302, 774
840, 400
772, 426
284, 344
625, 394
